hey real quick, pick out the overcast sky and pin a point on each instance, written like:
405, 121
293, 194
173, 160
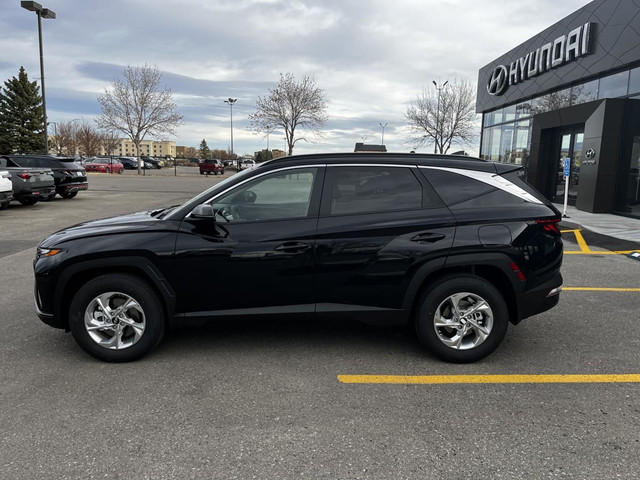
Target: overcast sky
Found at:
371, 57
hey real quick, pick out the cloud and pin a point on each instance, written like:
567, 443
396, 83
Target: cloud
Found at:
370, 57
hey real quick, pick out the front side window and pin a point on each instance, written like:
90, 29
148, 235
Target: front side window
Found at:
275, 196
370, 189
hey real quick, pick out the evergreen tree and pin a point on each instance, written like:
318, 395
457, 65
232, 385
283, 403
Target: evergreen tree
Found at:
21, 116
204, 149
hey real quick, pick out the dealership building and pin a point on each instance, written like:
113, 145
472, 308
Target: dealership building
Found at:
572, 91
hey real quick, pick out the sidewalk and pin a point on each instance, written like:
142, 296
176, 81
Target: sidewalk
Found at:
622, 228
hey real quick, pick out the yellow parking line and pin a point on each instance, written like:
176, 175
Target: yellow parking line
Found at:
594, 252
599, 289
465, 379
581, 243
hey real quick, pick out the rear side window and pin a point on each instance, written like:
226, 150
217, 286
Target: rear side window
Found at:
461, 190
31, 162
454, 188
369, 189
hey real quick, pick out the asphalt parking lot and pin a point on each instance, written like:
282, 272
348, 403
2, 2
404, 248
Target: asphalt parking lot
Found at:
560, 397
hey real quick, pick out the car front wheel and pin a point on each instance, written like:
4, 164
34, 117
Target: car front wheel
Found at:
463, 318
116, 318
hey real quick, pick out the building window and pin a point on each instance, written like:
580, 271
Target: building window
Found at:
614, 85
585, 92
634, 81
509, 113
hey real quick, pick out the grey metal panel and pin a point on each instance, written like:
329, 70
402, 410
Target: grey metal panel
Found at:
615, 43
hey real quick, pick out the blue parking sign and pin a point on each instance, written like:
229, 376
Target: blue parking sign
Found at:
567, 167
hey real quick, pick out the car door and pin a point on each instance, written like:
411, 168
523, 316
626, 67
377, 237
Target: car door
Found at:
257, 256
378, 225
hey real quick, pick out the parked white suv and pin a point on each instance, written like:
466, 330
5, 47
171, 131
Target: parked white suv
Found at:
6, 189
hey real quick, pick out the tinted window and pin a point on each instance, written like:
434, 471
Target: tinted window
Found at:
462, 191
372, 189
33, 162
614, 85
454, 188
276, 196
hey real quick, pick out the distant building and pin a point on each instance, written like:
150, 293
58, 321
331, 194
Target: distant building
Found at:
181, 151
153, 148
275, 153
362, 148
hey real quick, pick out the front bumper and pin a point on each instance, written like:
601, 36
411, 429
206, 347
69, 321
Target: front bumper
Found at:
45, 317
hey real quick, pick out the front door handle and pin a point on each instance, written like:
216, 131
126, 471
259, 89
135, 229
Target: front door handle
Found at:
293, 247
428, 237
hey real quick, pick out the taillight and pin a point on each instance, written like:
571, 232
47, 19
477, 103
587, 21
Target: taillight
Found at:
24, 176
6, 175
550, 225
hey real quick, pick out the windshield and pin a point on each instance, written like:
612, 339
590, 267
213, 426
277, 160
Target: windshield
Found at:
218, 187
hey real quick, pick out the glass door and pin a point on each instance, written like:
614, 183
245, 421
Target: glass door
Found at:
569, 146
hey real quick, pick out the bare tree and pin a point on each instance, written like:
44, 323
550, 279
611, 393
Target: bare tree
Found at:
137, 107
63, 139
110, 141
444, 121
88, 139
291, 105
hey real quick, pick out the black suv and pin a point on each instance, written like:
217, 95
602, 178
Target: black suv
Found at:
457, 247
69, 177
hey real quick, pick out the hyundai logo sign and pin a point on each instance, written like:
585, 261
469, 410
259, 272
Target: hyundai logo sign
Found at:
562, 50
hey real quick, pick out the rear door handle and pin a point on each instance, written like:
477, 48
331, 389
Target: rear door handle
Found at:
293, 247
429, 237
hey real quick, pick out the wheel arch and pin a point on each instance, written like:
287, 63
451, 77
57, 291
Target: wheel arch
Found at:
77, 275
493, 268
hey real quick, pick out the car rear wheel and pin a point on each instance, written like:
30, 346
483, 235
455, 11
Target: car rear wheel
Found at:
107, 170
68, 194
116, 318
463, 318
28, 200
121, 170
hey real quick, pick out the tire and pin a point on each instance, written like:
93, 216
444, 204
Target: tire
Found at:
49, 197
121, 170
68, 195
106, 170
4, 205
106, 338
466, 339
28, 200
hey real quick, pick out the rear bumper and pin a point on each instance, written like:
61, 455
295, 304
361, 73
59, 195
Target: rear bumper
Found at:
540, 299
34, 192
6, 196
72, 187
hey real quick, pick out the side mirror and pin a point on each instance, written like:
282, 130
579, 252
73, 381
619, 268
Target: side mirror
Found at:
202, 212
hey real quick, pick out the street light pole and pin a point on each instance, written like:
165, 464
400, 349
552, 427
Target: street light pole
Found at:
383, 127
42, 13
231, 101
438, 132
